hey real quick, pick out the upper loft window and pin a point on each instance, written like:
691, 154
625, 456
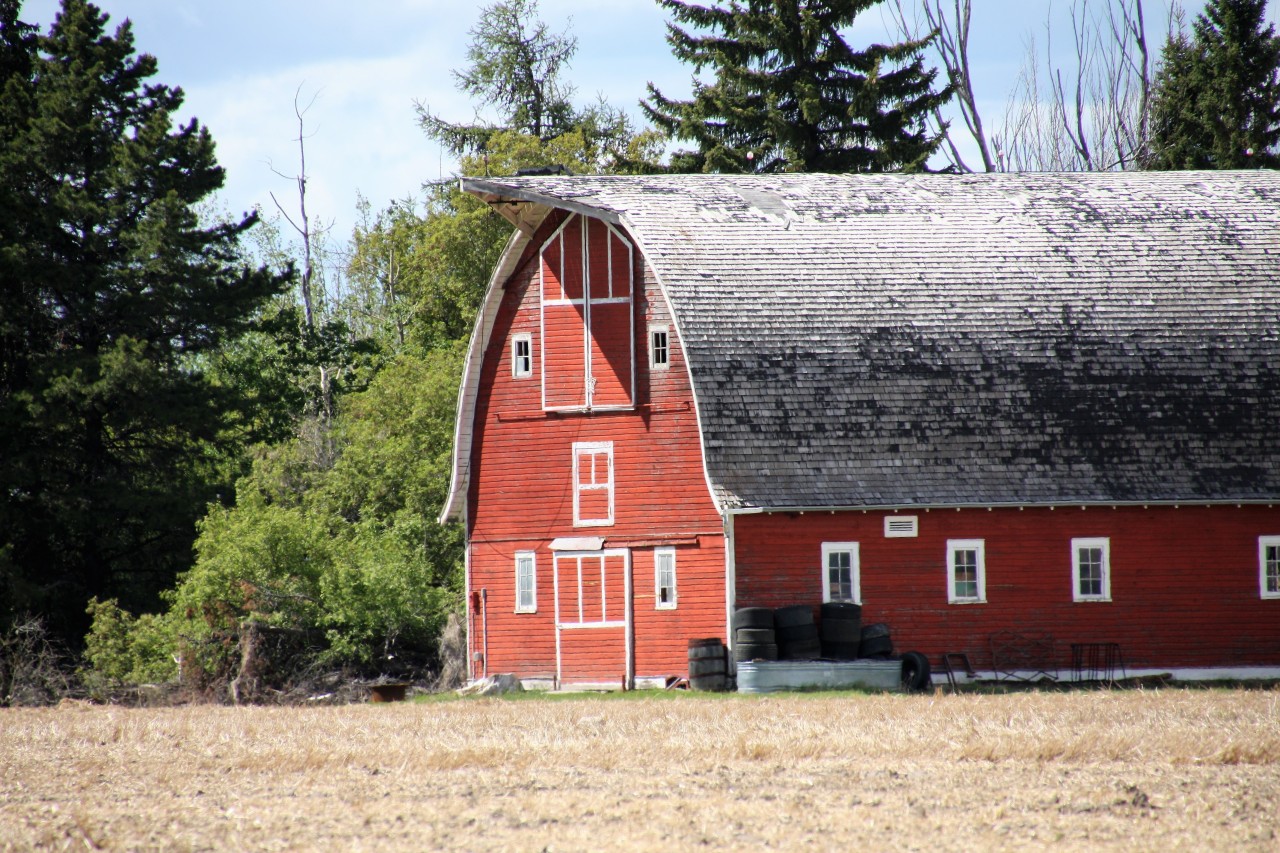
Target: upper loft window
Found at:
522, 356
592, 483
588, 327
659, 347
1091, 569
1269, 566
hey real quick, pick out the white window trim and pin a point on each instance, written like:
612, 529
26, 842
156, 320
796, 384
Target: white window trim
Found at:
579, 448
532, 606
658, 603
516, 340
1265, 542
980, 547
654, 364
1076, 546
855, 569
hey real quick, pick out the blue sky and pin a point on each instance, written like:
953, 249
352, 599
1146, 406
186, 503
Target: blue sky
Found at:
240, 64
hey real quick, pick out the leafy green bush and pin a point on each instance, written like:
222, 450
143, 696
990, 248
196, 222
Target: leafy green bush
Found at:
121, 648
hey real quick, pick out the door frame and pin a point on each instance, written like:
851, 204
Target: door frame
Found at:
626, 623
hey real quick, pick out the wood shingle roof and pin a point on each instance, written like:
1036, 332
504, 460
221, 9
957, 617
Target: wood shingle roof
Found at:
941, 340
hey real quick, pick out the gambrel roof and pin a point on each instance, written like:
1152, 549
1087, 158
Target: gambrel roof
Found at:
944, 340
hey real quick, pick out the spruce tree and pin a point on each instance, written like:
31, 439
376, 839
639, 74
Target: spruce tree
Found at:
1216, 103
790, 94
115, 292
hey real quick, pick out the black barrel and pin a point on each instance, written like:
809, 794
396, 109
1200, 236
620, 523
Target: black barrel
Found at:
708, 668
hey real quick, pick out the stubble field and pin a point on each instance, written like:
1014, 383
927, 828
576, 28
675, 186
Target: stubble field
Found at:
1159, 770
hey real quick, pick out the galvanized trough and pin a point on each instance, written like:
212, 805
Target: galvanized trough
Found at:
772, 676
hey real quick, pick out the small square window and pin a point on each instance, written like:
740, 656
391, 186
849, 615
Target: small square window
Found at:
966, 571
665, 578
526, 582
659, 348
1269, 566
1091, 569
522, 356
841, 579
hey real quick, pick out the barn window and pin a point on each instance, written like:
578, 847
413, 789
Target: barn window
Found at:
593, 483
1269, 566
841, 579
966, 571
522, 356
1091, 569
659, 348
526, 583
664, 569
588, 331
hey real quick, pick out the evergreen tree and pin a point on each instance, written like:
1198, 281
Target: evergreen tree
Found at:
114, 441
791, 94
1216, 103
517, 65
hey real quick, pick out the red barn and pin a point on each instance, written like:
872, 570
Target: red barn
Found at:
1009, 415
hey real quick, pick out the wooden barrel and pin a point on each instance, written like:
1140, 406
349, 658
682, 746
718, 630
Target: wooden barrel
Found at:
708, 669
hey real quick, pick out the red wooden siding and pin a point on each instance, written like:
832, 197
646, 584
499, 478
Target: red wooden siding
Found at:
1184, 581
587, 317
521, 490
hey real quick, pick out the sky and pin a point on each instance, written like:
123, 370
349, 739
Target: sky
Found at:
359, 68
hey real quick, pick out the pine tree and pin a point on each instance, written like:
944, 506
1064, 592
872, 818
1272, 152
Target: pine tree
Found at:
790, 93
114, 440
1216, 103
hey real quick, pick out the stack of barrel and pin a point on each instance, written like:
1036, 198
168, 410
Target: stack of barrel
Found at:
753, 634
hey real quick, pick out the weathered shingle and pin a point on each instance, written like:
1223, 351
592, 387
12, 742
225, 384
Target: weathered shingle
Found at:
941, 340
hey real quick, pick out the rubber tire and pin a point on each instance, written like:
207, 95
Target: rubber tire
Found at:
841, 610
875, 629
797, 634
840, 651
811, 650
755, 635
841, 631
876, 648
753, 617
793, 616
753, 651
915, 672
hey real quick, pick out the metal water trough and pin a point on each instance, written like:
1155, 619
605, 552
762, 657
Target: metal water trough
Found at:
772, 676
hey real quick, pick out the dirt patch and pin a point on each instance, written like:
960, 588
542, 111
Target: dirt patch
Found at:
1138, 770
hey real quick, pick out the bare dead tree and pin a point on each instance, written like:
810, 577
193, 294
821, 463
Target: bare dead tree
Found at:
950, 27
1090, 114
310, 238
1096, 121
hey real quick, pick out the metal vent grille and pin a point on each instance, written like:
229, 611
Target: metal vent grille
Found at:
901, 526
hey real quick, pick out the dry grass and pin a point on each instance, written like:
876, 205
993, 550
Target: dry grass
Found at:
1166, 770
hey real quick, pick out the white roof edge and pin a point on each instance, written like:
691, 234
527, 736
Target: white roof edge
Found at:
469, 387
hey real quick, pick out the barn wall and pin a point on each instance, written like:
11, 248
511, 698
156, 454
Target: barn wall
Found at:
1184, 581
521, 495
